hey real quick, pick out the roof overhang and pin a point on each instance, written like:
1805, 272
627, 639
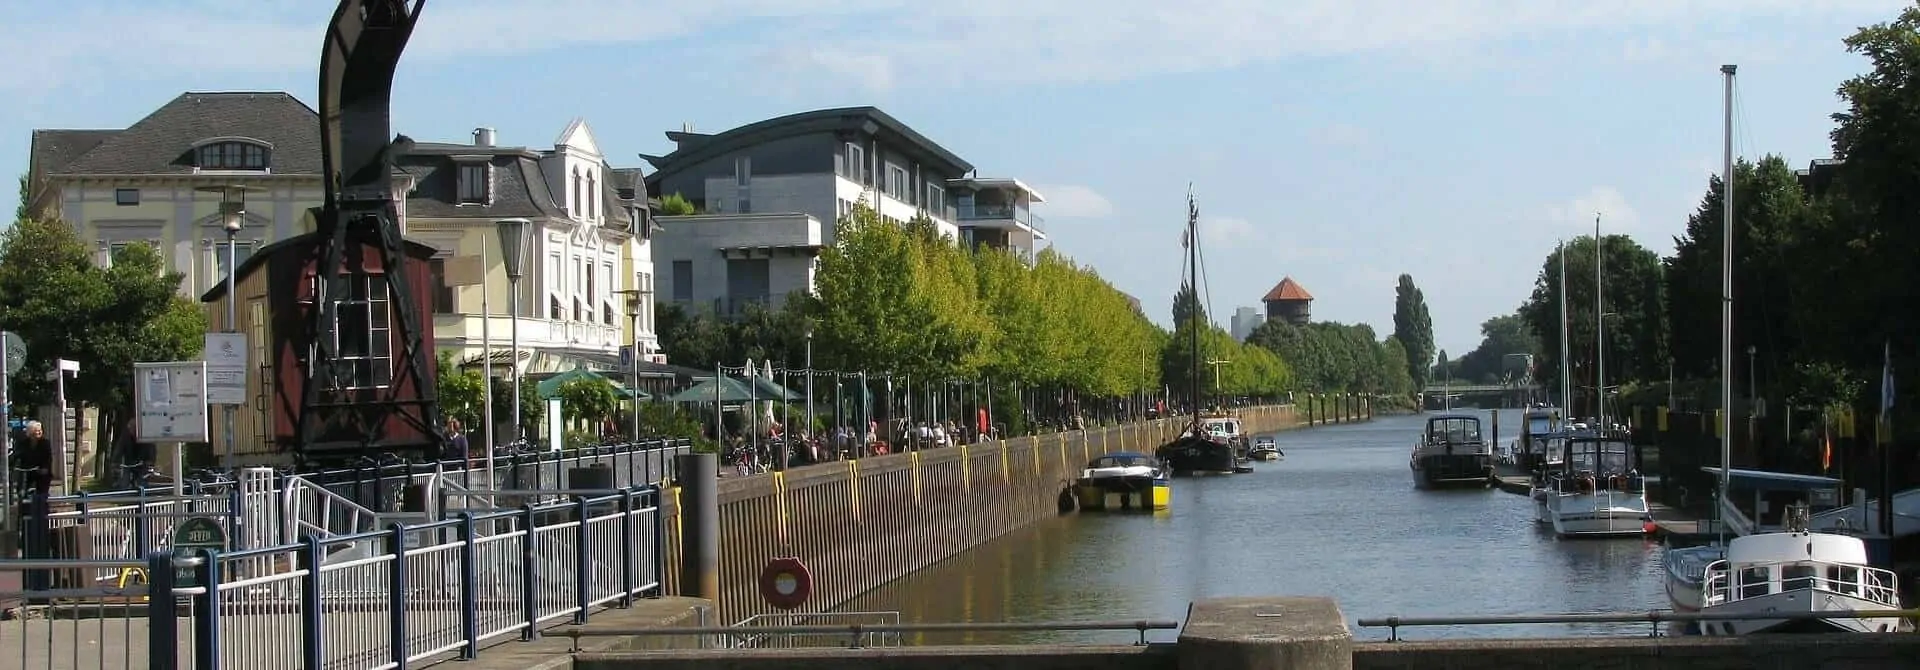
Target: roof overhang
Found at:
980, 183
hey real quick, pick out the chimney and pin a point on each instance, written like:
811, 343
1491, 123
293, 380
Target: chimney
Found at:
483, 137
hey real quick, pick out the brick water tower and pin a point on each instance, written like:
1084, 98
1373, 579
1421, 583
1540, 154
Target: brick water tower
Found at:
1289, 302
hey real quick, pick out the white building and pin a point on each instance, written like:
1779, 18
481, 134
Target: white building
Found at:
770, 192
1245, 319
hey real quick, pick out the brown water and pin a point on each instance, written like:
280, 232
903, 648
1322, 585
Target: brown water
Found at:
1339, 517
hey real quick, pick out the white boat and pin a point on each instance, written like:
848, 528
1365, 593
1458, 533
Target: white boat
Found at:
1552, 456
1598, 492
1797, 571
1686, 570
1451, 452
1265, 449
1123, 480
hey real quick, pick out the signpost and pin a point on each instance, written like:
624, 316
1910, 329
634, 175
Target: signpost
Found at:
189, 539
226, 368
170, 403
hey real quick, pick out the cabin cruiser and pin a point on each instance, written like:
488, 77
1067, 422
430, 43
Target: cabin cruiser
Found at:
1799, 571
1597, 492
1451, 452
1123, 480
1537, 424
1265, 449
1226, 428
1686, 574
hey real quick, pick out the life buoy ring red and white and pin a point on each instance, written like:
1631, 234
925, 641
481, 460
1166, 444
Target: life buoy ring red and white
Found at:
786, 583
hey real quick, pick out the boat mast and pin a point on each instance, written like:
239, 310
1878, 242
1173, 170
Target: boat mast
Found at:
1726, 301
1599, 329
1566, 380
1193, 313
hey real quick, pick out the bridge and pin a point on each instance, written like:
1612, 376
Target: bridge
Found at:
1511, 394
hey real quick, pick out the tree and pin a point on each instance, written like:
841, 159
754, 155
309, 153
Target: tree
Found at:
64, 306
588, 400
1500, 336
1413, 327
1394, 363
1187, 307
675, 204
1636, 330
696, 340
462, 393
1443, 368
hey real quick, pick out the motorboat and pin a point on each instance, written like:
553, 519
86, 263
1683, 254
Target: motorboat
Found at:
1197, 452
1538, 423
1550, 458
1686, 574
1799, 571
1265, 449
1451, 452
1227, 428
1598, 492
1124, 481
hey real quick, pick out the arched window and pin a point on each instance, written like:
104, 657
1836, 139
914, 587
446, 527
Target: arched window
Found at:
231, 155
579, 208
593, 196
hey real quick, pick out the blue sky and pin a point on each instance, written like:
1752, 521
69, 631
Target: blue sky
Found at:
1341, 142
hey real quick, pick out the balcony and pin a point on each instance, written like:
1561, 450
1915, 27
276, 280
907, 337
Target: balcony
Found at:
985, 216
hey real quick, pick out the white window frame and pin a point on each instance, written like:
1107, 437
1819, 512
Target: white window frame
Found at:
475, 183
372, 368
898, 186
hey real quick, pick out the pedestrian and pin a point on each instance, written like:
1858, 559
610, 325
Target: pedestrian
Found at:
456, 444
35, 460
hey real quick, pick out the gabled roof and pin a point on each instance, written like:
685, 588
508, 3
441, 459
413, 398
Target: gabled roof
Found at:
519, 185
162, 142
692, 148
1287, 290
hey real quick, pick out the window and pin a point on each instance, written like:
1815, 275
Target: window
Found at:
363, 335
936, 200
743, 170
554, 282
442, 293
577, 207
126, 197
231, 156
857, 164
474, 189
896, 185
556, 310
242, 250
593, 196
644, 282
683, 281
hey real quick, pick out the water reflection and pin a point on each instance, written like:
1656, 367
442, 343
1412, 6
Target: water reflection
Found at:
1339, 517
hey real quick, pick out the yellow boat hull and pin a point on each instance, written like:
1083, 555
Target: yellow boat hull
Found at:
1097, 498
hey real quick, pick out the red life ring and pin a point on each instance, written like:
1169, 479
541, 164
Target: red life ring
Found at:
786, 583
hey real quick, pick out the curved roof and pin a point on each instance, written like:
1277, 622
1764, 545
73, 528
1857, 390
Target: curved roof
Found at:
695, 147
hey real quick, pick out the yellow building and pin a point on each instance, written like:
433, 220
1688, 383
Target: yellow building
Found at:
157, 181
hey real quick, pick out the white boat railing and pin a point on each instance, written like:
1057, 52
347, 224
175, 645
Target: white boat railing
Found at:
1725, 584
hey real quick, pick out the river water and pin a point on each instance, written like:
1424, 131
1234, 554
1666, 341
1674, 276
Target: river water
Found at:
1338, 517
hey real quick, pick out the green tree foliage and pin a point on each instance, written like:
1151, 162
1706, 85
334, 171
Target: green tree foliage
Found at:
462, 393
698, 339
1413, 327
1187, 307
1396, 369
531, 409
1326, 356
590, 400
1244, 369
1770, 210
1500, 336
675, 204
1636, 346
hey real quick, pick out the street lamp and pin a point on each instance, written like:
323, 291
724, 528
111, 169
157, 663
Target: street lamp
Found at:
513, 252
807, 331
233, 216
636, 301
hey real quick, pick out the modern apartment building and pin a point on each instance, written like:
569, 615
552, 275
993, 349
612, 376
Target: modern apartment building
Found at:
770, 192
1245, 319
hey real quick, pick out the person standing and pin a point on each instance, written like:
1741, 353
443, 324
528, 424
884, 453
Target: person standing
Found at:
457, 444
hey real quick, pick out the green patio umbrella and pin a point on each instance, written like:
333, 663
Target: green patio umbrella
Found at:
550, 387
729, 390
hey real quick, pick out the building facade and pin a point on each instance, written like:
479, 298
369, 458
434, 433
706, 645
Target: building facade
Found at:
588, 251
1245, 319
770, 193
158, 181
1289, 302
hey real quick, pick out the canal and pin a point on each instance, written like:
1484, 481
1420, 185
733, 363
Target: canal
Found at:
1338, 517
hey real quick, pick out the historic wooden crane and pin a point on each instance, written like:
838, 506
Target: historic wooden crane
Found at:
364, 394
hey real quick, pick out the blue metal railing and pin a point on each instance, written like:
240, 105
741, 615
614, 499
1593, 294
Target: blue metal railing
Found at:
405, 595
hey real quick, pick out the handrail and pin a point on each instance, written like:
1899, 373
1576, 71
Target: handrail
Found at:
1394, 623
856, 630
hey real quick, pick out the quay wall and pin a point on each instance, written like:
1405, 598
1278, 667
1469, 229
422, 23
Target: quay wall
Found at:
861, 523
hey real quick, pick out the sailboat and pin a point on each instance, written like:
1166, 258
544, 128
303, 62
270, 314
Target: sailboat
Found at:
1552, 443
1599, 491
1795, 570
1198, 449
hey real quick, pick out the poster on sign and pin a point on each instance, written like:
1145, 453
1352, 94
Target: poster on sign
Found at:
171, 402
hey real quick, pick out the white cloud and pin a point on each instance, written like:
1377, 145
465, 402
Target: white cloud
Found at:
944, 44
1072, 201
1576, 216
1219, 231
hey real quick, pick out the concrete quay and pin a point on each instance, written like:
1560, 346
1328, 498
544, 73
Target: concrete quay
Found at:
1290, 633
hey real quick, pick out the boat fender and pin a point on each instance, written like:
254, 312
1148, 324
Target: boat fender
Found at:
785, 583
1067, 502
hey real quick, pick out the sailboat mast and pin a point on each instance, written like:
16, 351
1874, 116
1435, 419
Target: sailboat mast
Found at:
1726, 298
1193, 285
1566, 380
1599, 328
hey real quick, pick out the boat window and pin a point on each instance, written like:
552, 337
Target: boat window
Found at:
1796, 576
1844, 579
1755, 582
1539, 424
1121, 461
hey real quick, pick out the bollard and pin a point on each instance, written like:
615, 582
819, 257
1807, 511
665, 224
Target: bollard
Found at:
699, 478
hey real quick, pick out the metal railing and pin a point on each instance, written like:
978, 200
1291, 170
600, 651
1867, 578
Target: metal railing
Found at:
365, 601
1654, 617
855, 633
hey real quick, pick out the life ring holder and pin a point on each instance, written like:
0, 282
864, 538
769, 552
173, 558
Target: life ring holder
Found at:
786, 583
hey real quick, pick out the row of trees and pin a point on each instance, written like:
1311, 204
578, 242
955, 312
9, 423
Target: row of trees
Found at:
1822, 263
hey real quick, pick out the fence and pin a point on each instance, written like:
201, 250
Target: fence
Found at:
441, 589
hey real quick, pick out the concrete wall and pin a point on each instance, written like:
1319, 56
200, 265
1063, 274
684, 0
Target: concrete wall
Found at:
1891, 652
1156, 657
859, 524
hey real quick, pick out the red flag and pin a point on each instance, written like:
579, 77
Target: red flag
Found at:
1826, 450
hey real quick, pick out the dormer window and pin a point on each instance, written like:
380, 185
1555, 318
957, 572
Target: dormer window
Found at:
231, 155
475, 188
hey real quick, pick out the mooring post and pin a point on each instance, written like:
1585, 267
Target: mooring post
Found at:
699, 478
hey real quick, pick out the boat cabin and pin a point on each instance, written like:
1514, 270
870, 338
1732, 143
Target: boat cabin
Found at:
1123, 459
1221, 427
1769, 563
1453, 430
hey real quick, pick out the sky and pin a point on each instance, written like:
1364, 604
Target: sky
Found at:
1339, 142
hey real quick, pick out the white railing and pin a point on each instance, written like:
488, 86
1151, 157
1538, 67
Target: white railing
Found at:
1725, 584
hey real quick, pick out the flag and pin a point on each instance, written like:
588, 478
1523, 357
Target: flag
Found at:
1826, 450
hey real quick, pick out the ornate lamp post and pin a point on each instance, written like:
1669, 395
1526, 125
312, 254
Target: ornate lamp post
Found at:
233, 217
513, 252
